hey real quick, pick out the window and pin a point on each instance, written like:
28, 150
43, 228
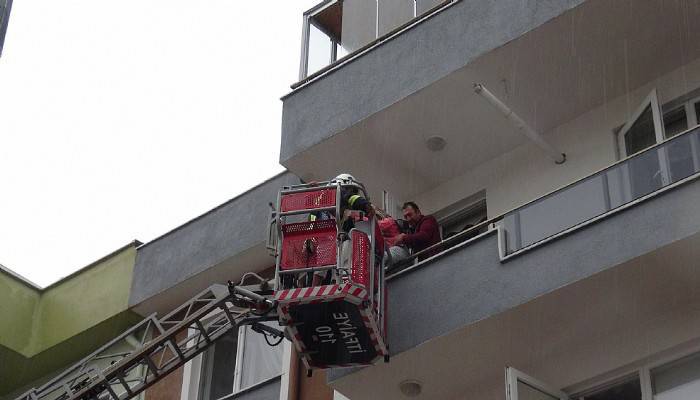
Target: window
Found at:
334, 28
219, 362
674, 379
321, 37
627, 388
675, 121
390, 206
520, 386
462, 215
237, 361
644, 129
259, 361
678, 380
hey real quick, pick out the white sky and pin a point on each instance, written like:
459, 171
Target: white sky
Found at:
121, 120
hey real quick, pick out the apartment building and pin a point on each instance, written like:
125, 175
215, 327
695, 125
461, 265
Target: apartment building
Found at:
586, 282
5, 7
556, 142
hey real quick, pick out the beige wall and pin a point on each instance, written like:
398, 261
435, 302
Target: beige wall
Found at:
526, 173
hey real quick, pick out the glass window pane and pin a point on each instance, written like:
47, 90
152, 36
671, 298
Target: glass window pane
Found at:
319, 49
675, 122
697, 111
645, 174
642, 133
564, 209
260, 360
679, 380
527, 392
680, 157
218, 367
630, 390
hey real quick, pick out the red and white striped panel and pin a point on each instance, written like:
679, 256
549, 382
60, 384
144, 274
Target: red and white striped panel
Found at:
370, 321
319, 294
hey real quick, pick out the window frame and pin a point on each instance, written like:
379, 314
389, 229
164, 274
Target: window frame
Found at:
240, 350
513, 376
306, 37
191, 388
192, 370
650, 101
642, 369
462, 209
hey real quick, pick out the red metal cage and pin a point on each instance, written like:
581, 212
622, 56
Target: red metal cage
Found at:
297, 236
309, 200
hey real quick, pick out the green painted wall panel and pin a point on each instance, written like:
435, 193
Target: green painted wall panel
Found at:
20, 373
85, 300
45, 330
18, 303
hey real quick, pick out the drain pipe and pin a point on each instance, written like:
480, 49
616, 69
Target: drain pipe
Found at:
557, 156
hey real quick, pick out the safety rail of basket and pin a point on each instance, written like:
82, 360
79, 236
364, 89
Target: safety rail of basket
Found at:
308, 200
309, 245
360, 258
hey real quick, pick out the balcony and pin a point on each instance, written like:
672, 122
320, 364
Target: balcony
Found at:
372, 113
335, 29
617, 249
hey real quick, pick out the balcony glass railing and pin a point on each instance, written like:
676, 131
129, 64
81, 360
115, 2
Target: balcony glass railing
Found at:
623, 183
335, 28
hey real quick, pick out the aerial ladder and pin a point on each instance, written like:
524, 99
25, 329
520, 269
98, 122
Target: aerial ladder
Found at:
328, 295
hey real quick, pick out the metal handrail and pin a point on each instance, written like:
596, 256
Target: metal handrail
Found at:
613, 165
452, 241
441, 245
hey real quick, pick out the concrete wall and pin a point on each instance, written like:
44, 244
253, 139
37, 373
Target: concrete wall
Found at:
416, 58
472, 284
224, 232
588, 141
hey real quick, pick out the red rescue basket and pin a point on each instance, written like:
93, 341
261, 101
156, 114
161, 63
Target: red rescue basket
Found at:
329, 283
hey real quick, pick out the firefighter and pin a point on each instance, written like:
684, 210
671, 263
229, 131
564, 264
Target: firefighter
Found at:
352, 200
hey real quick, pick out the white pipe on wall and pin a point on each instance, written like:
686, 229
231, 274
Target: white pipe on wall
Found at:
521, 125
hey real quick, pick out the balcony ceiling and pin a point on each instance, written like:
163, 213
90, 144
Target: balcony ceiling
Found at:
596, 52
572, 334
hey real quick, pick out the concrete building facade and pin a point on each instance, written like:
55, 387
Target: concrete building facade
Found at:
579, 277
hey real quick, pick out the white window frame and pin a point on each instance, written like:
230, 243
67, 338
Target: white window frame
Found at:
652, 100
240, 350
642, 369
192, 370
692, 117
306, 37
464, 207
513, 376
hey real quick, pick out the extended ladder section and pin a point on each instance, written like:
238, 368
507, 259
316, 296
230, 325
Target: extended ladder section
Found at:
150, 350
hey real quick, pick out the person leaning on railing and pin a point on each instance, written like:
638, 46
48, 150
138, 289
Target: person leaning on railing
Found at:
425, 231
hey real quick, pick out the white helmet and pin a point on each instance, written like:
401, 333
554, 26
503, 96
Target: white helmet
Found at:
344, 178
